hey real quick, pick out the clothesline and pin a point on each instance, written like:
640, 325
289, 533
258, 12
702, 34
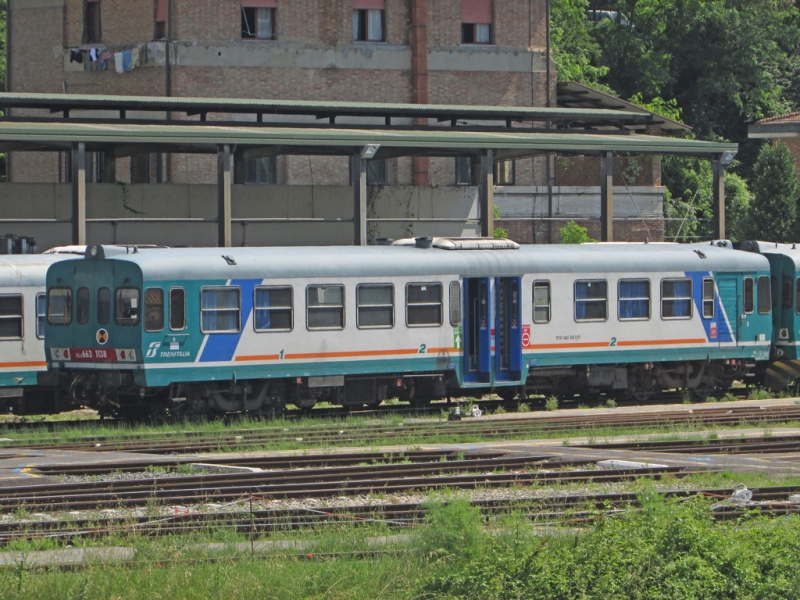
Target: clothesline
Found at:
93, 59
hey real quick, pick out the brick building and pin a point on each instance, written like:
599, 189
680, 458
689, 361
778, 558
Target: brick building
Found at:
466, 52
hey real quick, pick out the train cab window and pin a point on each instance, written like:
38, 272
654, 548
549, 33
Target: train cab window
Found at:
676, 298
541, 301
59, 306
153, 309
220, 310
591, 300
82, 305
764, 301
41, 314
455, 303
633, 301
177, 309
749, 295
273, 309
11, 317
375, 305
126, 311
708, 298
325, 307
424, 304
797, 297
786, 293
103, 305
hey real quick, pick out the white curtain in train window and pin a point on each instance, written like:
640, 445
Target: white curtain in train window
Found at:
634, 299
375, 25
264, 26
220, 309
590, 300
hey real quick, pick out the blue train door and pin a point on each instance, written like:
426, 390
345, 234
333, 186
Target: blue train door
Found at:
508, 338
477, 331
492, 329
730, 301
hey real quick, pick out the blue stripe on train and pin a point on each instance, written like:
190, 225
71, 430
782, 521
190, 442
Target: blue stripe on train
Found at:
723, 328
221, 346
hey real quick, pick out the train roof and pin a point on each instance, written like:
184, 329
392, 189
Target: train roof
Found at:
19, 270
403, 260
790, 251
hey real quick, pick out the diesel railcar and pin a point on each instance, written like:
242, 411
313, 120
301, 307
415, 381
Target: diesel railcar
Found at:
205, 330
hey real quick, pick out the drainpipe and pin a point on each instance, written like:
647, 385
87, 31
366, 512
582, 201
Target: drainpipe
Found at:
168, 84
419, 78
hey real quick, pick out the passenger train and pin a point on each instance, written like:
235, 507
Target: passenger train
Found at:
197, 331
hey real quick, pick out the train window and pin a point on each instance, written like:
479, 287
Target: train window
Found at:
325, 307
455, 303
126, 312
591, 300
153, 309
423, 304
634, 299
41, 314
177, 309
273, 309
676, 298
786, 292
708, 298
11, 317
797, 296
375, 305
541, 301
59, 306
103, 305
749, 295
82, 305
220, 310
764, 301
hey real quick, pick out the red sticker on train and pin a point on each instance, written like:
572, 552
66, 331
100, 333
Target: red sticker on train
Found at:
93, 354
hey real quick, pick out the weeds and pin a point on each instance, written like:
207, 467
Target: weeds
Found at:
551, 403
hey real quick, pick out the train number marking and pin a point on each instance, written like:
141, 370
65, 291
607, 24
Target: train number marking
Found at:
281, 354
613, 342
423, 348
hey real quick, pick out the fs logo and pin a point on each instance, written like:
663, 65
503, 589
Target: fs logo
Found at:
152, 349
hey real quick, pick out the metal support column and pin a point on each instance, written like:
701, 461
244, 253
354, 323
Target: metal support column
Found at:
606, 197
78, 178
718, 202
358, 175
487, 194
224, 196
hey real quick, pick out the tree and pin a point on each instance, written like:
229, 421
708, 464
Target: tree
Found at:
3, 4
572, 233
776, 191
738, 201
575, 52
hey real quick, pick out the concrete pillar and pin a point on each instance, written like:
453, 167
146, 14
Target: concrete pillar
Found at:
358, 175
606, 197
78, 177
487, 193
419, 78
224, 196
718, 202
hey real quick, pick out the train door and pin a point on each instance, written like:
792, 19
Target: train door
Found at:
731, 302
508, 339
477, 331
492, 330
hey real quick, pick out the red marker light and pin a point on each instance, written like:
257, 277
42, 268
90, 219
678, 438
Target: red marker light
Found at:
123, 355
66, 353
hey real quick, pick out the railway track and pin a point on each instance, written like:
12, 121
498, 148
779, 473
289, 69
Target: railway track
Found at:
370, 433
316, 482
573, 510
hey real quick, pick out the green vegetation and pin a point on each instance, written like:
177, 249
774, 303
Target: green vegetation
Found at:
718, 65
572, 233
669, 549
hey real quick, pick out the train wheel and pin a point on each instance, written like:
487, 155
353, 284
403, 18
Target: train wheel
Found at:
641, 386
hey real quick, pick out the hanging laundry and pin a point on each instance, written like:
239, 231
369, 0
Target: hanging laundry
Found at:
118, 62
135, 58
93, 54
75, 55
126, 60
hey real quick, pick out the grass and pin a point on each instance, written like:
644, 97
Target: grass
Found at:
669, 549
